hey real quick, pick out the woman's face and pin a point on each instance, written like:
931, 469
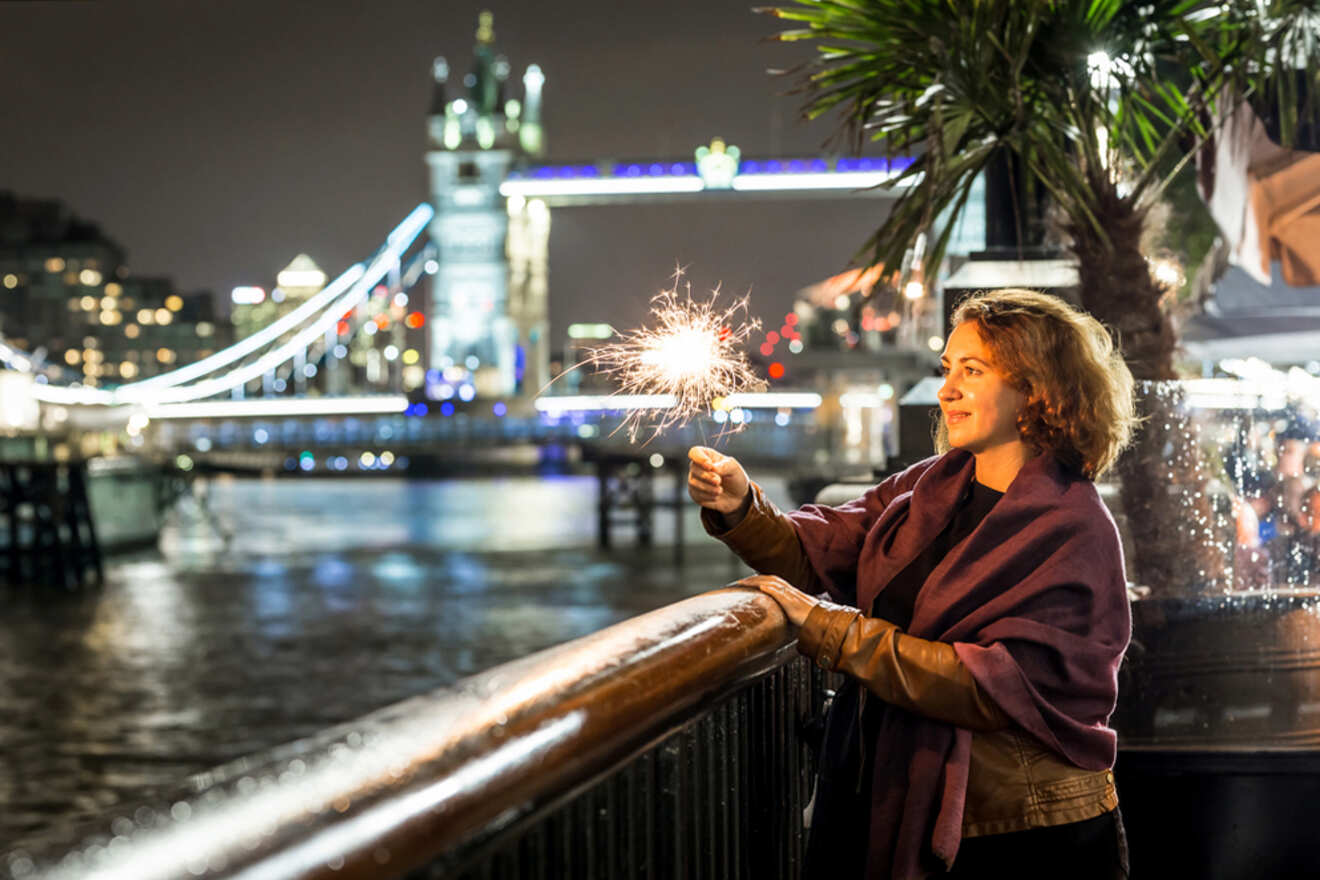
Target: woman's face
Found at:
980, 408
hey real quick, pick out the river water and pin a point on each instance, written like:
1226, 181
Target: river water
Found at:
279, 607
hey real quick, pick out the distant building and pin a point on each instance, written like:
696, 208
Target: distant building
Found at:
66, 296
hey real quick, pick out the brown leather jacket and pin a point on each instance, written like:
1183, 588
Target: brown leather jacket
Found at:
1014, 782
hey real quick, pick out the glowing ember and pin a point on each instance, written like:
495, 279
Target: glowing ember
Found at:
692, 352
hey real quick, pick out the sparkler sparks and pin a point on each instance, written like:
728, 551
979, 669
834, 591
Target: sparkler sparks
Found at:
692, 354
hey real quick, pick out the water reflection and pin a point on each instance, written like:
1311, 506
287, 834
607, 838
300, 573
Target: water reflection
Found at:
284, 607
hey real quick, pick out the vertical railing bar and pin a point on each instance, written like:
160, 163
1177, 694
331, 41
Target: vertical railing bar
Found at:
739, 737
780, 781
587, 837
648, 814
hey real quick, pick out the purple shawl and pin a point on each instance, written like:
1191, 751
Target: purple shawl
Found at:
1034, 601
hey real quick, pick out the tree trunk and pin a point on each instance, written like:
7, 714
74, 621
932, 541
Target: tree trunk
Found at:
1176, 543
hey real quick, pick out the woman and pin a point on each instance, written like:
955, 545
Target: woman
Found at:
981, 613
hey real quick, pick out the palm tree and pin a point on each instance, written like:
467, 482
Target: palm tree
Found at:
1101, 103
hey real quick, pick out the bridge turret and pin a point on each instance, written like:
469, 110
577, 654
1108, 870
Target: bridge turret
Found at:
488, 316
440, 76
529, 132
483, 81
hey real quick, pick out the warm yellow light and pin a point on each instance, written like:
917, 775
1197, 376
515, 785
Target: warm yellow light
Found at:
72, 357
89, 277
174, 302
411, 356
108, 302
54, 265
914, 290
163, 316
88, 303
114, 288
11, 281
146, 316
110, 317
165, 355
128, 369
204, 328
132, 331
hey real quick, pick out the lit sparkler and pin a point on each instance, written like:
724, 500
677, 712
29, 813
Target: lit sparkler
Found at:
690, 356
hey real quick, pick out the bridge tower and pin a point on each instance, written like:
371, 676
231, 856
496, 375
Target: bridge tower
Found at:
488, 314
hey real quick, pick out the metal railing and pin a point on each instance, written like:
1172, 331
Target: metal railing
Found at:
664, 746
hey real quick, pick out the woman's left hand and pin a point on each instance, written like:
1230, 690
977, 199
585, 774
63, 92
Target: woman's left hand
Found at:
796, 604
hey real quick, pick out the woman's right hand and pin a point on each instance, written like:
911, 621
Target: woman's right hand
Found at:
716, 481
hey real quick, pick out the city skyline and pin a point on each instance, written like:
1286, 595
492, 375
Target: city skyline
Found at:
161, 132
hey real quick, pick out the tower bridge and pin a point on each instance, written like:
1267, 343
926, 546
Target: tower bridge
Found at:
475, 253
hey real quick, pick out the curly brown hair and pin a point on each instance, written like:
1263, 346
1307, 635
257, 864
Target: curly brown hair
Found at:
1079, 391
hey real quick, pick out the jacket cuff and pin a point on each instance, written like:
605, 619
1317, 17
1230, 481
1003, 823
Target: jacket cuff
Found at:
716, 524
763, 526
822, 633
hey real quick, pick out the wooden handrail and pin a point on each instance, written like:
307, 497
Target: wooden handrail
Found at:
439, 776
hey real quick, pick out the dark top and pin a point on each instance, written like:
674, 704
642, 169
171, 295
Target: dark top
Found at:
840, 827
895, 603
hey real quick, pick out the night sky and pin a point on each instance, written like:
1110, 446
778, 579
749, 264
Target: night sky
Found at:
216, 140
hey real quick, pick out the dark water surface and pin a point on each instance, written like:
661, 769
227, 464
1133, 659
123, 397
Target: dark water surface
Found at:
297, 604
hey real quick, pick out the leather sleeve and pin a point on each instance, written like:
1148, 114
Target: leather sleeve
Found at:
766, 540
921, 676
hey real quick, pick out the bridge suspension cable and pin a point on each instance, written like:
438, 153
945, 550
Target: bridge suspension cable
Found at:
325, 309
